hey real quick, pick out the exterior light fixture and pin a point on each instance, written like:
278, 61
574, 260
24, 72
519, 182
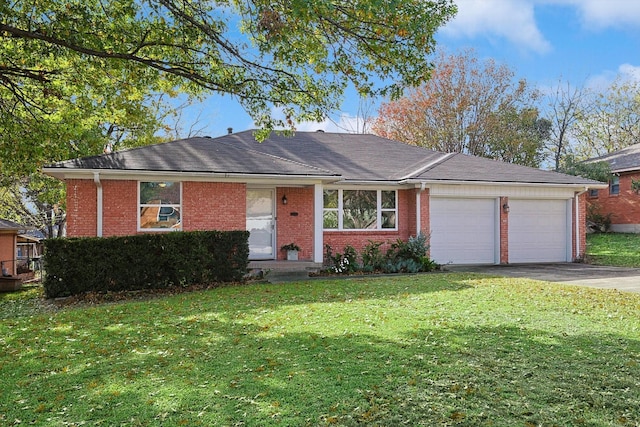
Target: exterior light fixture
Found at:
284, 200
505, 208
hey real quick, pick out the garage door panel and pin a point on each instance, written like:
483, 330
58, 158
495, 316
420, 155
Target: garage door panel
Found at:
538, 231
463, 230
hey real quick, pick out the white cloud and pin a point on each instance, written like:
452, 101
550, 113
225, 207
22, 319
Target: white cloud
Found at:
345, 123
599, 14
631, 72
602, 81
341, 123
513, 20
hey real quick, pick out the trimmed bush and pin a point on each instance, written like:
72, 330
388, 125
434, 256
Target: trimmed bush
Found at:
146, 261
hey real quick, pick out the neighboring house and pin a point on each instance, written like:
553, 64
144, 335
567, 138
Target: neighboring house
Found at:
620, 198
8, 246
29, 251
317, 189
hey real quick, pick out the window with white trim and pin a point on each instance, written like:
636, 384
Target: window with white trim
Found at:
360, 209
159, 206
614, 185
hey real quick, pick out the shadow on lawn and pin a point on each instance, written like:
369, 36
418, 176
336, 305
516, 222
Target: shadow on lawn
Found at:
219, 368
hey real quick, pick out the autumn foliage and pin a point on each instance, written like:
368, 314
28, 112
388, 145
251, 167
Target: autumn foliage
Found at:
468, 106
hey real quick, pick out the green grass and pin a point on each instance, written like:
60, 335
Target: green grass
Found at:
439, 349
617, 249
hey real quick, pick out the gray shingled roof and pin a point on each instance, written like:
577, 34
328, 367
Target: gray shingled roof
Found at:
5, 224
201, 154
461, 167
351, 157
627, 159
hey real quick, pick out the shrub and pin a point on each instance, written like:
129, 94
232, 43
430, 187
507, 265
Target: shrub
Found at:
415, 248
409, 257
147, 261
372, 257
596, 220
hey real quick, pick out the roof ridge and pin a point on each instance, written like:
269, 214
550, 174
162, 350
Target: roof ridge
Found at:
442, 158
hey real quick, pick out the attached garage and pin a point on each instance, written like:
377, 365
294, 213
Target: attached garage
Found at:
539, 231
463, 230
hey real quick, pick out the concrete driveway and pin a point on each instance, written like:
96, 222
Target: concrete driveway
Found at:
595, 276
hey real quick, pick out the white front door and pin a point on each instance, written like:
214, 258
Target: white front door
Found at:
261, 223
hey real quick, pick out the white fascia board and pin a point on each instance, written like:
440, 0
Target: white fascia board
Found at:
418, 183
371, 184
63, 174
633, 169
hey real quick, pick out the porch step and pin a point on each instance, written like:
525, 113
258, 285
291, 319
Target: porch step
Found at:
276, 276
283, 271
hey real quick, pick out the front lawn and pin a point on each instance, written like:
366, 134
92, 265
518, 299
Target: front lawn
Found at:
617, 249
439, 349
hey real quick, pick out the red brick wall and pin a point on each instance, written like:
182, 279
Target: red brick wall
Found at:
582, 226
81, 208
119, 208
8, 254
410, 207
205, 206
296, 228
504, 232
625, 206
214, 206
425, 223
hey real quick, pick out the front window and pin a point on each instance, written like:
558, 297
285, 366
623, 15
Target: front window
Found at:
360, 209
160, 206
593, 193
614, 185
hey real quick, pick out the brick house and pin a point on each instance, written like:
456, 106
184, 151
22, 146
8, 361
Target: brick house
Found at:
319, 188
8, 246
621, 198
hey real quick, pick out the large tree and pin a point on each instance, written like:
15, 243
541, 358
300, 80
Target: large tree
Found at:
566, 105
81, 76
111, 55
609, 121
465, 107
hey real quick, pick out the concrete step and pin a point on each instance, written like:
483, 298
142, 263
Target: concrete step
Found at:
276, 276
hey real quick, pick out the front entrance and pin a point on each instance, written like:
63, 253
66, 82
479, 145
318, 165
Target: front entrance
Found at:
261, 223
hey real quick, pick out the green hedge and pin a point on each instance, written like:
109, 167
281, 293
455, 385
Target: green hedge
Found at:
146, 261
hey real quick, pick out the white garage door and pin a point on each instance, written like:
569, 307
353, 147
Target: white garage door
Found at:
463, 231
538, 231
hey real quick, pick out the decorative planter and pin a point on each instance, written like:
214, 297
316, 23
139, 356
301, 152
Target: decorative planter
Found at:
292, 255
10, 283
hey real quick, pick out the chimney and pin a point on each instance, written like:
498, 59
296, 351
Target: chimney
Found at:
230, 130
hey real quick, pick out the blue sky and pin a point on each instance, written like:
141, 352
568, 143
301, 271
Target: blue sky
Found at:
584, 42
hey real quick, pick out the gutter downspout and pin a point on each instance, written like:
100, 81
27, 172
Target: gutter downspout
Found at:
577, 202
419, 208
96, 179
